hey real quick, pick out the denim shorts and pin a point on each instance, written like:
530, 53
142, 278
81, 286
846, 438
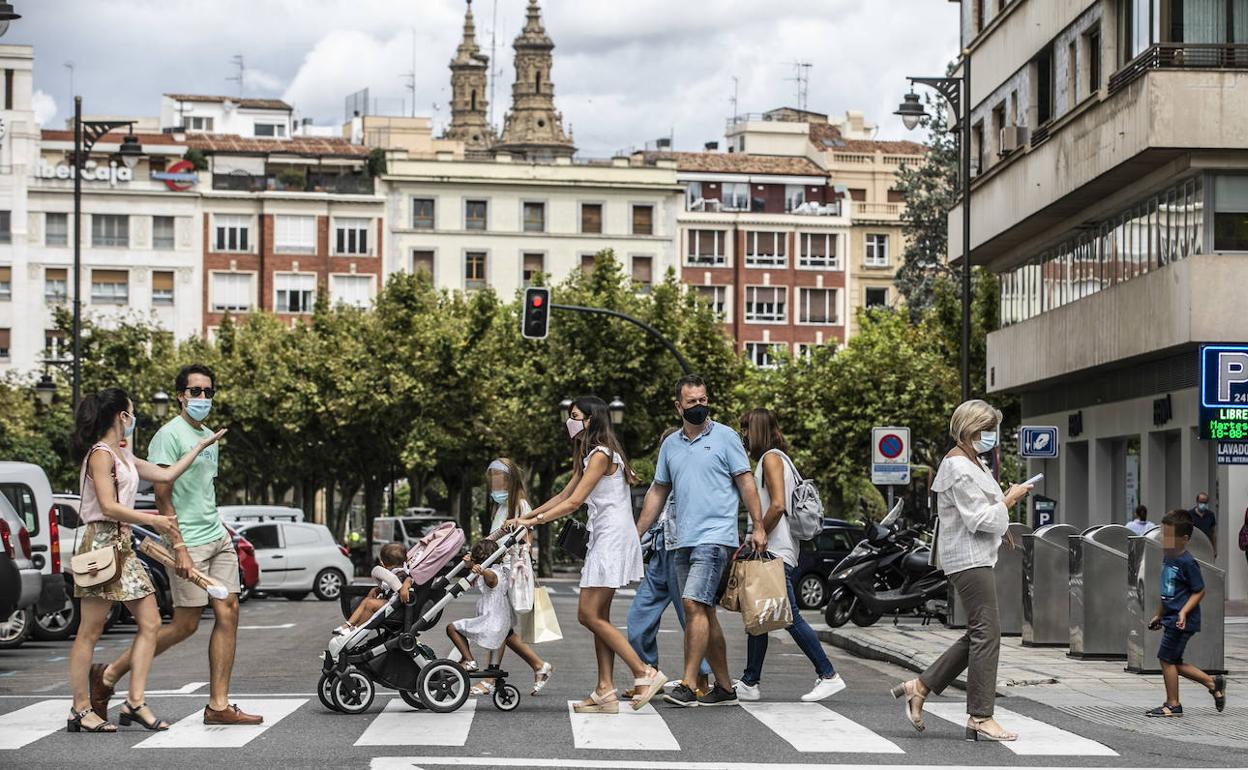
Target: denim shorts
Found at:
698, 571
1173, 643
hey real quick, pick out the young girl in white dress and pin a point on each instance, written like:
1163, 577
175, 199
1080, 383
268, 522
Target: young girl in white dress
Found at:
492, 623
600, 478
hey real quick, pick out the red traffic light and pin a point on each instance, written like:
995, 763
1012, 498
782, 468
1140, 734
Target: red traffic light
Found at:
537, 300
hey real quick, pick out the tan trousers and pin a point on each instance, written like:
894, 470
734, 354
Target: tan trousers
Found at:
978, 649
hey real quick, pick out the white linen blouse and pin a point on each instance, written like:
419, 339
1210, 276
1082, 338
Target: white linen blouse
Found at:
972, 512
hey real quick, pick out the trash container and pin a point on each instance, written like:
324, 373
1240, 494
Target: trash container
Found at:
1008, 575
1206, 650
1046, 586
1098, 592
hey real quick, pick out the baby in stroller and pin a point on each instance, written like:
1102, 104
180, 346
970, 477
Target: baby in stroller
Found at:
389, 574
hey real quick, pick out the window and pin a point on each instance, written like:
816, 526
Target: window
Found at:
998, 123
643, 220
106, 229
1230, 218
1072, 74
294, 235
1045, 83
877, 297
296, 292
475, 215
55, 229
232, 232
794, 196
877, 250
300, 535
232, 292
693, 196
736, 196
806, 351
643, 273
162, 287
422, 259
351, 237
110, 287
422, 213
977, 149
587, 263
896, 196
762, 354
817, 306
53, 342
353, 290
162, 233
591, 217
4, 344
6, 284
1092, 48
818, 251
765, 304
262, 537
534, 217
858, 194
55, 285
270, 129
532, 264
764, 249
981, 14
474, 270
706, 247
196, 124
716, 297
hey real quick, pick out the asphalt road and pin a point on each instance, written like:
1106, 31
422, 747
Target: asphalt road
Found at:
277, 669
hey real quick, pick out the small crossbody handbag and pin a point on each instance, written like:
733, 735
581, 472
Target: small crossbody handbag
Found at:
100, 566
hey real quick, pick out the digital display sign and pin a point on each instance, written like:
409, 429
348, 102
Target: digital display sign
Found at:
1224, 392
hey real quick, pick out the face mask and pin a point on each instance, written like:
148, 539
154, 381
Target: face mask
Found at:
198, 408
575, 426
499, 497
696, 415
987, 441
1204, 507
129, 430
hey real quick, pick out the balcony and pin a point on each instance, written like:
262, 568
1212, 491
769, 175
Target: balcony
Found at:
808, 209
888, 212
334, 184
1170, 56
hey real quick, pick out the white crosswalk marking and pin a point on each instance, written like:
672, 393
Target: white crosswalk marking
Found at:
192, 733
628, 730
27, 725
811, 727
401, 725
1035, 738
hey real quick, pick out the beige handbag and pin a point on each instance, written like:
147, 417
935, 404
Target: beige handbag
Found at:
97, 567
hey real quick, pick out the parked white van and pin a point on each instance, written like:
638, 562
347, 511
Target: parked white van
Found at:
247, 514
25, 486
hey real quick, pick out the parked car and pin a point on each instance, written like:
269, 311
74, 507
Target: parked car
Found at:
298, 558
15, 627
25, 486
818, 556
246, 514
10, 585
405, 529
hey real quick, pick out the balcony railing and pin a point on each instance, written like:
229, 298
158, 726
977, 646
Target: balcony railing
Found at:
335, 184
864, 210
809, 209
1181, 56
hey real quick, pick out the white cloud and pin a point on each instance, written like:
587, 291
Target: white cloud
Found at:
44, 107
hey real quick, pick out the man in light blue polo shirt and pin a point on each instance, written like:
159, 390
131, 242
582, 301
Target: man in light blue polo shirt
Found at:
706, 467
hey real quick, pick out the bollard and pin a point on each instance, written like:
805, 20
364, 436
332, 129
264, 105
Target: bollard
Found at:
1046, 586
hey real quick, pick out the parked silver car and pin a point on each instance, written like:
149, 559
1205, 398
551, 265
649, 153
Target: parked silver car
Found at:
15, 627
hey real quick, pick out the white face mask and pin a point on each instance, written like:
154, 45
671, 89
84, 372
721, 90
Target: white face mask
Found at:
575, 426
987, 441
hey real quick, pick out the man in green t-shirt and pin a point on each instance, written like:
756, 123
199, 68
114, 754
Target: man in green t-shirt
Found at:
204, 544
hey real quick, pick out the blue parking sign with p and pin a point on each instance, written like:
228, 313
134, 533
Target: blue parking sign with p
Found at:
1038, 442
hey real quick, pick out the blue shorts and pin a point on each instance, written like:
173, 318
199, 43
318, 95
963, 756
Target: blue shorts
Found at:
698, 572
1173, 643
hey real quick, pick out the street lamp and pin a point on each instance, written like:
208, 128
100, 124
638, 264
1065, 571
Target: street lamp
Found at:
6, 16
131, 151
616, 409
160, 404
956, 91
565, 409
45, 389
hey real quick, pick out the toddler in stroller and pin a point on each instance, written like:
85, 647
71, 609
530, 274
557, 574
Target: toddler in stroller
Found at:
386, 649
389, 573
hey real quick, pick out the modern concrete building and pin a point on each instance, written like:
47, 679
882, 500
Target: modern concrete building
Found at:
1111, 196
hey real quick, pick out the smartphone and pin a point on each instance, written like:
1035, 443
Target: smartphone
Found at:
1033, 480
1154, 626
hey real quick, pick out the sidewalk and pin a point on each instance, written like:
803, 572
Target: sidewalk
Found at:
1100, 691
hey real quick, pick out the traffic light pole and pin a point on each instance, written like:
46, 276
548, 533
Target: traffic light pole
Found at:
684, 365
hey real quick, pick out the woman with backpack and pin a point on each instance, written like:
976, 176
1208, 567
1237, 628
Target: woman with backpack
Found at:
777, 479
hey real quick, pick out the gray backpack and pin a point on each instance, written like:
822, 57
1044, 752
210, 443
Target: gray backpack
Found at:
805, 509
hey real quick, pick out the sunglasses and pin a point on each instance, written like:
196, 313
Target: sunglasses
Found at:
197, 391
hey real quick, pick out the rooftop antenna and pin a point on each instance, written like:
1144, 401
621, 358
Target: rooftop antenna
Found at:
736, 85
495, 70
242, 69
69, 65
801, 74
411, 75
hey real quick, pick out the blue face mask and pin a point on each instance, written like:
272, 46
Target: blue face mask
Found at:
499, 497
198, 408
987, 441
129, 431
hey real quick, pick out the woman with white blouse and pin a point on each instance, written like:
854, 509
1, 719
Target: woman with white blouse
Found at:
974, 516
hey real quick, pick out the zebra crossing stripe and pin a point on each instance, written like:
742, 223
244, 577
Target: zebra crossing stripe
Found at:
1035, 738
629, 730
810, 727
401, 725
27, 725
192, 733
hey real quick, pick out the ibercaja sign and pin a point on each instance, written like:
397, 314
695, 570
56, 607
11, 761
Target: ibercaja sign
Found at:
1224, 392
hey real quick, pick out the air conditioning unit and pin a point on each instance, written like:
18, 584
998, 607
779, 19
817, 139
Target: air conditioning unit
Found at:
1012, 138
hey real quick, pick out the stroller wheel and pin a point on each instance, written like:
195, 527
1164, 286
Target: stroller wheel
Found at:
506, 698
352, 692
412, 699
442, 686
324, 690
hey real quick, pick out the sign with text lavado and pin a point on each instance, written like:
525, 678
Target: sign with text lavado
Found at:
114, 173
890, 456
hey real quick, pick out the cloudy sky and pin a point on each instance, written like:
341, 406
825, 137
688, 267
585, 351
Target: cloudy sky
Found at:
626, 71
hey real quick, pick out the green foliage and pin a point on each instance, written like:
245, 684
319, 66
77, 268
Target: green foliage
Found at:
197, 159
376, 162
930, 191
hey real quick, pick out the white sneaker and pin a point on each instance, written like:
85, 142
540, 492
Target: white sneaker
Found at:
825, 688
749, 692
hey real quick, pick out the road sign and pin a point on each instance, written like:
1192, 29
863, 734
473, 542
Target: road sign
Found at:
1233, 453
1038, 442
1224, 392
1044, 510
890, 456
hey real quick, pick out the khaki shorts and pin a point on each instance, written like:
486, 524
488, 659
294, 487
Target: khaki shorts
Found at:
217, 560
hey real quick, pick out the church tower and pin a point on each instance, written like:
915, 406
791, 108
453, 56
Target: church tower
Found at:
469, 83
533, 129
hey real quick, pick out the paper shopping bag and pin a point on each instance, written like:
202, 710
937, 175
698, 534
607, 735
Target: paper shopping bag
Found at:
763, 595
731, 599
540, 625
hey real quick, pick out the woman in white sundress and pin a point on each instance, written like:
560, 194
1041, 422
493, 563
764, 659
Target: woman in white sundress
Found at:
601, 478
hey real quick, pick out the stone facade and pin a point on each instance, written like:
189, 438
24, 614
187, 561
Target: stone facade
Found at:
533, 129
469, 85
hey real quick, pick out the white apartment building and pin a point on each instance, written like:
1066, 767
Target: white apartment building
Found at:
253, 118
